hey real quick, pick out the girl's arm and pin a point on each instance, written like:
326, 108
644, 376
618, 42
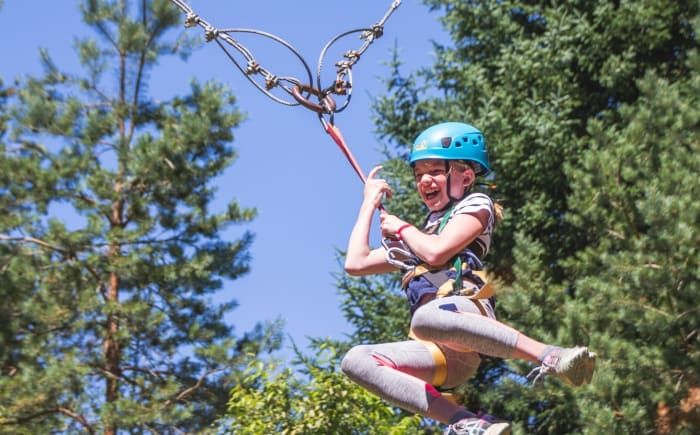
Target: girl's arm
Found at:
437, 249
360, 259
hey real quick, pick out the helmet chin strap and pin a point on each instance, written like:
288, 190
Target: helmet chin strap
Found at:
452, 200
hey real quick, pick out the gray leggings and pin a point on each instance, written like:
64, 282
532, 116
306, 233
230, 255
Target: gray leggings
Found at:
402, 373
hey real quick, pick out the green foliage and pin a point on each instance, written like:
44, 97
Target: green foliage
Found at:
317, 400
646, 257
594, 143
375, 308
111, 251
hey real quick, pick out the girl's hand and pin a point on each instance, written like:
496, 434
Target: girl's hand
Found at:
390, 225
376, 188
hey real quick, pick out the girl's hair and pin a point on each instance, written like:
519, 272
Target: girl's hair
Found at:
498, 211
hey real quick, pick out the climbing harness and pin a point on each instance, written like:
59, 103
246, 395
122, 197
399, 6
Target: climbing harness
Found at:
400, 255
301, 92
455, 278
478, 287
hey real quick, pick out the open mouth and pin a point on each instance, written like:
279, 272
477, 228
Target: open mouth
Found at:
431, 193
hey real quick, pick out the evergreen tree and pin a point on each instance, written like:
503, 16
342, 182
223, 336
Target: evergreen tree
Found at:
110, 251
566, 98
590, 111
635, 188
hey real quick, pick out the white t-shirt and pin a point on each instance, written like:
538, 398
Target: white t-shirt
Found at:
471, 204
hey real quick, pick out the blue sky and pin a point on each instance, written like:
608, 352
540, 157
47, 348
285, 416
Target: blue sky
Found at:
288, 168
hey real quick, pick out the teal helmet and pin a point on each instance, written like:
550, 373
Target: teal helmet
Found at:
452, 141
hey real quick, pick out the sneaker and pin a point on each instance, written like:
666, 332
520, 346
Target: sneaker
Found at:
574, 366
483, 425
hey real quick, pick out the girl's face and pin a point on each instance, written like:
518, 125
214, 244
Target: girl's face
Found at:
431, 181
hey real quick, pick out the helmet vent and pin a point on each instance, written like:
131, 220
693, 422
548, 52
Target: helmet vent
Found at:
451, 141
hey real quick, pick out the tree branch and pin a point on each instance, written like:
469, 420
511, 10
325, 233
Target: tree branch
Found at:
187, 391
34, 241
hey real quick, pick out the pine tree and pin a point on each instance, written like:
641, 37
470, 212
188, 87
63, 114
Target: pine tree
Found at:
593, 138
590, 111
635, 190
110, 251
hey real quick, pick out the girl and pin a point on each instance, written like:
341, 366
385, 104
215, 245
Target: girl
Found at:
452, 308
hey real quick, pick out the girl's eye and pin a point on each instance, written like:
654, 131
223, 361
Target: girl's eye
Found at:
433, 174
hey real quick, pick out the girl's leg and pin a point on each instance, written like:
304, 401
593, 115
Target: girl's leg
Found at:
401, 373
456, 322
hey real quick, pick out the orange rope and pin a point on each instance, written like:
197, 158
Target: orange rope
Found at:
338, 138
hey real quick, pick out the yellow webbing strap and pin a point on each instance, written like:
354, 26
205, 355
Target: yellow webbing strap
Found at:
440, 361
451, 397
415, 272
485, 292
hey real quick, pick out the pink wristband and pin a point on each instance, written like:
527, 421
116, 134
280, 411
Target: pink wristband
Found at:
401, 228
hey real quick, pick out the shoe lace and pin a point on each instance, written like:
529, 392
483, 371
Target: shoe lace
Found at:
548, 365
471, 426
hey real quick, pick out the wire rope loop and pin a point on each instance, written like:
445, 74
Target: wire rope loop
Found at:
253, 68
250, 67
326, 104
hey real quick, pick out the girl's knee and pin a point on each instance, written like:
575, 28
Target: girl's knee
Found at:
422, 322
354, 358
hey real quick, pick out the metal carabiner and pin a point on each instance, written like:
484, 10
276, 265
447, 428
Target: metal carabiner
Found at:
399, 255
